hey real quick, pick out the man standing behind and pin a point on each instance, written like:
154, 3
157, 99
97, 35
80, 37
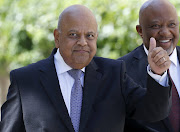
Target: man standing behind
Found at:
158, 19
73, 91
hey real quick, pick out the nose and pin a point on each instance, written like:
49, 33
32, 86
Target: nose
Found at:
165, 31
82, 41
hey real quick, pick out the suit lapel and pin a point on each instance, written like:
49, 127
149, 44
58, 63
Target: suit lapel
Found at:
51, 85
140, 61
92, 80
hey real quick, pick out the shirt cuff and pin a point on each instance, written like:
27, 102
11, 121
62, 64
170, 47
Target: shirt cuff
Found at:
162, 80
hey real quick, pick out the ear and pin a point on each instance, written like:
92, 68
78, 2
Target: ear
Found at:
139, 30
56, 38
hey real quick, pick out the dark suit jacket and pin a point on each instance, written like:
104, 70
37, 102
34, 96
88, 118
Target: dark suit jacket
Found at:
35, 103
136, 63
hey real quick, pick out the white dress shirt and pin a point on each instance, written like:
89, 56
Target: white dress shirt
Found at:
174, 68
65, 80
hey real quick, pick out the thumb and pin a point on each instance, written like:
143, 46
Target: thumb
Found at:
152, 44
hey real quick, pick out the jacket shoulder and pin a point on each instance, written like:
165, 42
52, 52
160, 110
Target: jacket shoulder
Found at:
131, 54
29, 69
107, 62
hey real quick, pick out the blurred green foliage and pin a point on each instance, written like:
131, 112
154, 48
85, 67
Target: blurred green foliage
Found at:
26, 28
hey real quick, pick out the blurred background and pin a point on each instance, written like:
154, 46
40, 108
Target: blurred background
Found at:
26, 30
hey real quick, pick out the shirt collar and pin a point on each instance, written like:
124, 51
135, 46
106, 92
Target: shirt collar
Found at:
61, 65
172, 57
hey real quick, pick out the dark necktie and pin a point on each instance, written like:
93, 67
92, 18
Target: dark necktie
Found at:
76, 98
174, 115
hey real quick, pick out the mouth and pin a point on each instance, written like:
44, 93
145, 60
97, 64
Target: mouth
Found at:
81, 51
165, 43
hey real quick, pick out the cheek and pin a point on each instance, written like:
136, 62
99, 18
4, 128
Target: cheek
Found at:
148, 34
176, 39
93, 47
176, 33
66, 49
153, 33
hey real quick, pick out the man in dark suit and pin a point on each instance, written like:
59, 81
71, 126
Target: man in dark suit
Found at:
41, 96
158, 19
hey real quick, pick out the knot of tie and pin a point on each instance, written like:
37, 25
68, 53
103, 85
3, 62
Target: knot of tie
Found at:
75, 73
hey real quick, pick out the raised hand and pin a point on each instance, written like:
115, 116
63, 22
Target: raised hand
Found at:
158, 58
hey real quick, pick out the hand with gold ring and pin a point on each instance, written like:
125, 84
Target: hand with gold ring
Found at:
158, 58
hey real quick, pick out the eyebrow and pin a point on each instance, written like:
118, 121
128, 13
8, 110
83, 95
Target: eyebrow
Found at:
172, 20
91, 32
72, 30
155, 21
76, 31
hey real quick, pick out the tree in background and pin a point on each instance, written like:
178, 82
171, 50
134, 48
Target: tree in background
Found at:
26, 28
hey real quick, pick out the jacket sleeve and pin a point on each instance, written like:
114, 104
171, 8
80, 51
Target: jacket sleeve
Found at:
11, 111
149, 104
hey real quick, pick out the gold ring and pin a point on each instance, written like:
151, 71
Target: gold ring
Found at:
164, 58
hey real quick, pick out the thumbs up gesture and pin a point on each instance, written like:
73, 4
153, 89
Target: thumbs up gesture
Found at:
158, 58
